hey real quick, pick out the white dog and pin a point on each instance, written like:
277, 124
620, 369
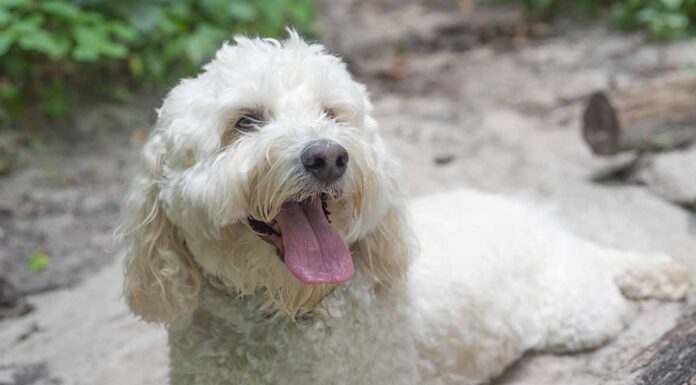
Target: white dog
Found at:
267, 229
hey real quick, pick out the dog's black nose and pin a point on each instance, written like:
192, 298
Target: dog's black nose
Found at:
325, 159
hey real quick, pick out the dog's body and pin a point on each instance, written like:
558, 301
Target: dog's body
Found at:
503, 282
212, 222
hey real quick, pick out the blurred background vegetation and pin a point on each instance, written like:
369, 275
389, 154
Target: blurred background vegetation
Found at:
661, 19
56, 50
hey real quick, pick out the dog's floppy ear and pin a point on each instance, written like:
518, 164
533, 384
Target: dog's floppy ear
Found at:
388, 248
161, 280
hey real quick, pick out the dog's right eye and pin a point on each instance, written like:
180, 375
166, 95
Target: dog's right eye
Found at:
249, 121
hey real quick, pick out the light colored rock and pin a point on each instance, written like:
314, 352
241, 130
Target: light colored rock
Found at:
672, 175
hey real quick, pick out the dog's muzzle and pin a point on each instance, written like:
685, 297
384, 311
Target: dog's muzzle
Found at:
312, 250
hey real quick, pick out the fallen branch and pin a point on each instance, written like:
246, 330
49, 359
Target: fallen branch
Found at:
646, 119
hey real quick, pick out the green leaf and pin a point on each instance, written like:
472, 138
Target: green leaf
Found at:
14, 3
205, 40
85, 54
27, 25
182, 10
42, 41
122, 31
95, 42
37, 262
88, 17
147, 18
272, 11
241, 10
6, 40
5, 17
302, 14
175, 49
153, 63
672, 4
63, 9
114, 50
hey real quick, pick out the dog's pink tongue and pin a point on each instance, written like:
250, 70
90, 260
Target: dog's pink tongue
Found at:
314, 251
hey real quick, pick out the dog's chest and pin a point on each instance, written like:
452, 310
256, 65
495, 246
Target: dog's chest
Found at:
352, 338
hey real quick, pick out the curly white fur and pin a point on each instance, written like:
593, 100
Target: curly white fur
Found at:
494, 278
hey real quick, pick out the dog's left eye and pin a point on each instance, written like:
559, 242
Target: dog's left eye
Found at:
331, 113
249, 121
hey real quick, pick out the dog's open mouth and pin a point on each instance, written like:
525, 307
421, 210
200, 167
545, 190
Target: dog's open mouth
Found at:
313, 251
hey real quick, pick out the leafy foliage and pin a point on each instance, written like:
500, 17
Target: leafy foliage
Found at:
54, 49
662, 19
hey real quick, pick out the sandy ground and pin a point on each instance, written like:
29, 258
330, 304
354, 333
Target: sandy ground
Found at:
502, 118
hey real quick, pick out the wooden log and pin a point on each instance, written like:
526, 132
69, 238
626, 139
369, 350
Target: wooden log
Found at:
645, 119
671, 360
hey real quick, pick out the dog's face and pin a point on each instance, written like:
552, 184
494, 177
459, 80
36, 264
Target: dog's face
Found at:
266, 170
279, 140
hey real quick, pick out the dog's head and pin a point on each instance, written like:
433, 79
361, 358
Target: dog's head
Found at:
265, 171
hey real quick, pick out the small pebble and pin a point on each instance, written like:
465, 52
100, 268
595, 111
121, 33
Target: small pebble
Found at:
444, 159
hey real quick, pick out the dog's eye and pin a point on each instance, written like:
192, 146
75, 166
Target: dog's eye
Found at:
249, 121
331, 113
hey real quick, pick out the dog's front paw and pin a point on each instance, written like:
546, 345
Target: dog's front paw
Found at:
658, 277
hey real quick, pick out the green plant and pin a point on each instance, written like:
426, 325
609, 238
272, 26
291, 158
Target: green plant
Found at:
544, 9
662, 19
37, 262
53, 50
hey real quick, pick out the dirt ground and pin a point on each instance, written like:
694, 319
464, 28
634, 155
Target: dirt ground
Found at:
499, 113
